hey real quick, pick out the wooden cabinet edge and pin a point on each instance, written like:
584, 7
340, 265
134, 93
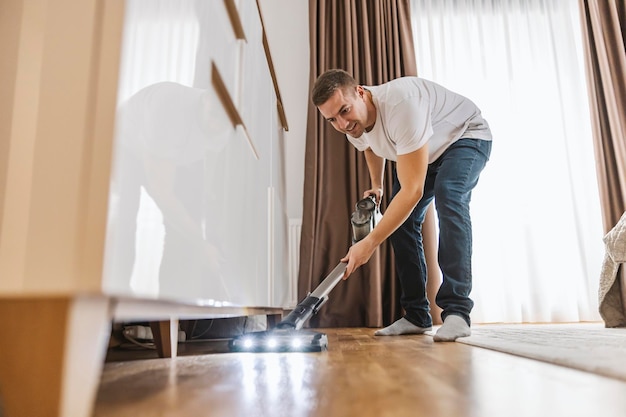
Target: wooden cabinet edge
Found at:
222, 92
230, 107
281, 110
235, 19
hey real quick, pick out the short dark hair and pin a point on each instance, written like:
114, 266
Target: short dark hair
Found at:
329, 82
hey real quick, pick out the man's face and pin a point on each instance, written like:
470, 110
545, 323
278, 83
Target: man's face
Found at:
348, 111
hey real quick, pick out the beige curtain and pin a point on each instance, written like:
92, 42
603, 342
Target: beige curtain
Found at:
604, 32
373, 41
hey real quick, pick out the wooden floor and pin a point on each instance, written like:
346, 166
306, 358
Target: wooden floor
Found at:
360, 375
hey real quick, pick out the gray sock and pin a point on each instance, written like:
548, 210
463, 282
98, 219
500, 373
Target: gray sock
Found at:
402, 326
452, 328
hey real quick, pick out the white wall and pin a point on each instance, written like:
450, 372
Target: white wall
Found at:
287, 27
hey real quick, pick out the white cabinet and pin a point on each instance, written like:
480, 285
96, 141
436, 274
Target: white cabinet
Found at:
140, 179
193, 204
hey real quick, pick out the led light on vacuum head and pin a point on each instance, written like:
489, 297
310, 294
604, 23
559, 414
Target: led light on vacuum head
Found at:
280, 341
248, 343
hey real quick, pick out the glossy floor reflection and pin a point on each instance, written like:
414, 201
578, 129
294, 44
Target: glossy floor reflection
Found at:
360, 375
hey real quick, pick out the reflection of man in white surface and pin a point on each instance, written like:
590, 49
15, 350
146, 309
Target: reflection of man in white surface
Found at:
165, 133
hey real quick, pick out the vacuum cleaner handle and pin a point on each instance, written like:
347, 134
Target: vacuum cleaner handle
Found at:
364, 218
314, 301
330, 281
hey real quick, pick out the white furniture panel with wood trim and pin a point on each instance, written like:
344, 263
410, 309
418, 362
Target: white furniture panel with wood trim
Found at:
141, 179
189, 205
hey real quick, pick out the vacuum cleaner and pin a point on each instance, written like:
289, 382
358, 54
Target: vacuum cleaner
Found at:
287, 336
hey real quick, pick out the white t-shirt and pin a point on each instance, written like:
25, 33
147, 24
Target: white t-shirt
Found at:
412, 111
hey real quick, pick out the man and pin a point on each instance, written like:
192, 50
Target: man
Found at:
440, 143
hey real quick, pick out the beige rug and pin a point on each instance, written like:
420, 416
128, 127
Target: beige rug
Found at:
585, 346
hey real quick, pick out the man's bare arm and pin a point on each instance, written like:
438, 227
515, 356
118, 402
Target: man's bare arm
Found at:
411, 170
376, 167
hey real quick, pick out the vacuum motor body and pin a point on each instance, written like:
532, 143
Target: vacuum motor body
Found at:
365, 217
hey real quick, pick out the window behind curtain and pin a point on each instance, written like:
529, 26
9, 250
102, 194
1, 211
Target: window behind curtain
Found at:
536, 213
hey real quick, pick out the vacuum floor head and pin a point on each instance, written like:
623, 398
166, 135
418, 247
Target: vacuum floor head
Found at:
280, 340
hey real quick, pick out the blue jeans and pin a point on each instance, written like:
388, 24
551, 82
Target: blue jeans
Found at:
449, 181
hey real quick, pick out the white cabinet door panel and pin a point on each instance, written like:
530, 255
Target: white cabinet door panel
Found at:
190, 214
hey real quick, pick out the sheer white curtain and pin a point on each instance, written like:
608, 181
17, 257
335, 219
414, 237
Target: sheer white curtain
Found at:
536, 213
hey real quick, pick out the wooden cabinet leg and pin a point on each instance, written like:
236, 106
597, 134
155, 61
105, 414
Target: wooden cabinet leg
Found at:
52, 353
273, 320
165, 334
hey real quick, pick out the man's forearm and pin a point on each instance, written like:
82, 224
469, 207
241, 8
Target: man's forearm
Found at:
396, 213
411, 171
